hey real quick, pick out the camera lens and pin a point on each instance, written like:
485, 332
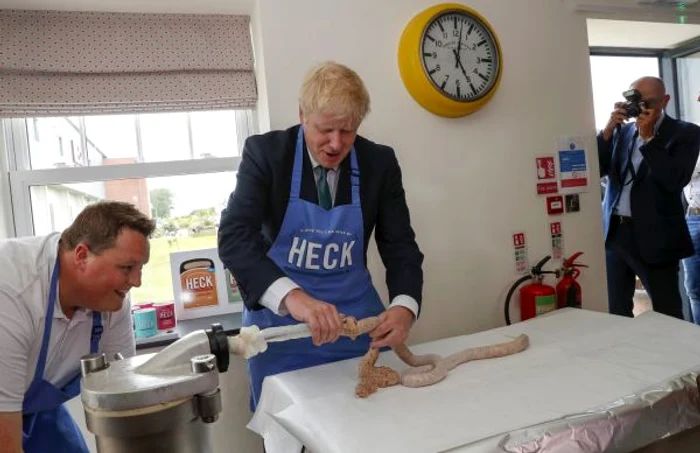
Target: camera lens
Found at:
632, 110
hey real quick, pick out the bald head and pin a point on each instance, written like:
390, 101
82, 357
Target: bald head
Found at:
650, 84
653, 93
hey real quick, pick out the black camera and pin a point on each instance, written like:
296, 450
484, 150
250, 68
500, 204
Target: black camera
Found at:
633, 106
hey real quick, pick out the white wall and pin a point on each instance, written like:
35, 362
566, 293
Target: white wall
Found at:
262, 110
469, 181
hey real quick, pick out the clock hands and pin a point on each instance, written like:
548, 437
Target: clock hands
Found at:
459, 44
459, 63
458, 58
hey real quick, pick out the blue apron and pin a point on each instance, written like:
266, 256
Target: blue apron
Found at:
46, 424
323, 252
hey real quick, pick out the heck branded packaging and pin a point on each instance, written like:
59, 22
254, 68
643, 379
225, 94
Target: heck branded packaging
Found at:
165, 313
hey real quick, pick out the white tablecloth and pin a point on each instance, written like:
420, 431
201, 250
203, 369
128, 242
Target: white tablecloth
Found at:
582, 373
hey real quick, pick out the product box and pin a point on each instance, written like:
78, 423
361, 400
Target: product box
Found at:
201, 285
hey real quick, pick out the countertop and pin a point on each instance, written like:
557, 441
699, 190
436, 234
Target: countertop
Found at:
231, 323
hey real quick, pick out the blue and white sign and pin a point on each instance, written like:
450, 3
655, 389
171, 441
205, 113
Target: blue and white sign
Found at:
573, 168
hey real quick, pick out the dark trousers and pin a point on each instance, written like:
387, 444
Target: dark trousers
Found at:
624, 262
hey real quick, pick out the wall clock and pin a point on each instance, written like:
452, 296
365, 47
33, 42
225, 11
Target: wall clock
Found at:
450, 60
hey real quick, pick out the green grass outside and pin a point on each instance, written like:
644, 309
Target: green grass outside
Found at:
156, 281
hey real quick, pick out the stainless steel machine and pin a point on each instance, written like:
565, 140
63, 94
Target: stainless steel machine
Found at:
162, 402
166, 402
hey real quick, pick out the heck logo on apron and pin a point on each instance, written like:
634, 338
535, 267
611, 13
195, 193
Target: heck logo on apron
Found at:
314, 256
323, 252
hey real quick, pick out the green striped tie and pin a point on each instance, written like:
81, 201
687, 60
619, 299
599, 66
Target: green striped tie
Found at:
324, 192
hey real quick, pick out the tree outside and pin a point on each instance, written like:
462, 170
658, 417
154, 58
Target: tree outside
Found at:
161, 203
193, 231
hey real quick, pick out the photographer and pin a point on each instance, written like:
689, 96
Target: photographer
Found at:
648, 161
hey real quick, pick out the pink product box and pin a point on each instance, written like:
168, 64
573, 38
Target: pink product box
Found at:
165, 313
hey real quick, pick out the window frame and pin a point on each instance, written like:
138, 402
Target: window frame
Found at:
673, 55
626, 52
666, 70
21, 177
668, 66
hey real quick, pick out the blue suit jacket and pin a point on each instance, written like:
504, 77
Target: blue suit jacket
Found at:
253, 218
658, 216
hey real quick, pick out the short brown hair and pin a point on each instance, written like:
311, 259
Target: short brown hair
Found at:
334, 89
99, 224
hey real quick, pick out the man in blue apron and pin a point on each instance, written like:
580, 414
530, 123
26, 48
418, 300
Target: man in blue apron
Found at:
296, 230
61, 297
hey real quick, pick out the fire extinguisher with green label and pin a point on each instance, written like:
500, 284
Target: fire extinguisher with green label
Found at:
568, 289
536, 298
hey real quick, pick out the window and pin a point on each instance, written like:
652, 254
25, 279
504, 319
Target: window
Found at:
179, 168
611, 75
119, 139
689, 87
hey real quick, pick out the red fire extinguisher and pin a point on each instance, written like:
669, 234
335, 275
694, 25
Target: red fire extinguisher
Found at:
536, 298
568, 289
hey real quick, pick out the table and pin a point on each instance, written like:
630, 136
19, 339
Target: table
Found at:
589, 382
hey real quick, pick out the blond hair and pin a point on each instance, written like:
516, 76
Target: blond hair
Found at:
334, 89
99, 224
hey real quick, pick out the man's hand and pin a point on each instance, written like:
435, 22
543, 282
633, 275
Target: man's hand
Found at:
393, 328
645, 123
618, 116
322, 318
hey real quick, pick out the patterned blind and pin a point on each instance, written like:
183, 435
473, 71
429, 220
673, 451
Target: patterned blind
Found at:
76, 63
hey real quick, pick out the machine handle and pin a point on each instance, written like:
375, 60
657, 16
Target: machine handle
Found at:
91, 363
218, 343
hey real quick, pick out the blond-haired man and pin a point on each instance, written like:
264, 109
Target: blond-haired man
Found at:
296, 230
61, 297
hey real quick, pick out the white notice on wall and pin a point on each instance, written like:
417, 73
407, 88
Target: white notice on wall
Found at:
557, 240
522, 264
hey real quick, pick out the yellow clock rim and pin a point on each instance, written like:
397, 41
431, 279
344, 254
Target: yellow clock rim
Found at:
413, 75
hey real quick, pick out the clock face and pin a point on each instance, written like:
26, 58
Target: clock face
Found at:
460, 56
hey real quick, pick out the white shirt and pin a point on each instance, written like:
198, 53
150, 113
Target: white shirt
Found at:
26, 265
624, 205
692, 190
275, 293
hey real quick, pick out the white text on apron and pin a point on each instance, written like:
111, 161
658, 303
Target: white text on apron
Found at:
311, 255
